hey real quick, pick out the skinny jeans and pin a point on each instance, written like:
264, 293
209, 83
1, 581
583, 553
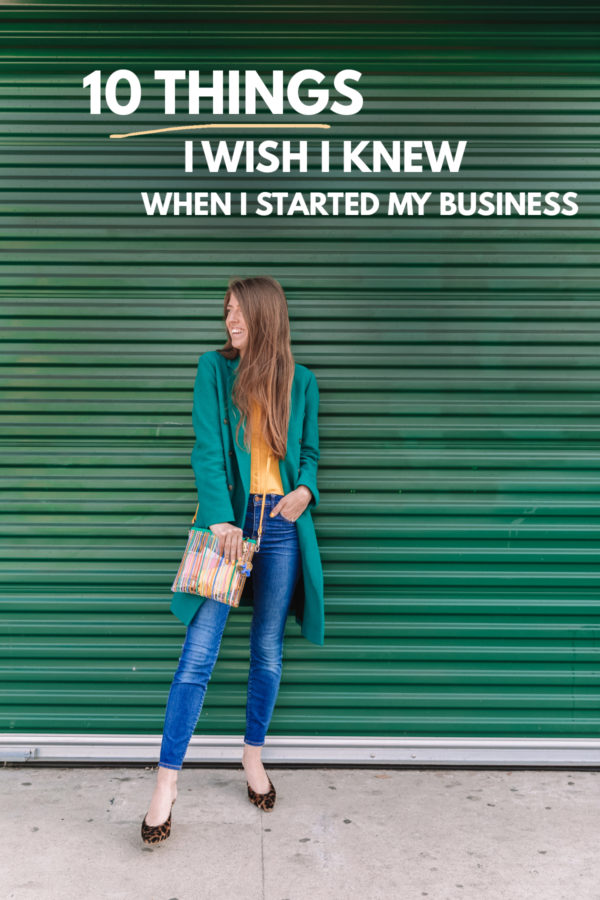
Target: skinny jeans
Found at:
275, 572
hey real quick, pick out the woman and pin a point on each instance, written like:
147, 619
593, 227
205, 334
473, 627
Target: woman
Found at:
255, 419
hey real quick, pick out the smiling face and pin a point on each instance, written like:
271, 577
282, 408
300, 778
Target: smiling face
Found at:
236, 325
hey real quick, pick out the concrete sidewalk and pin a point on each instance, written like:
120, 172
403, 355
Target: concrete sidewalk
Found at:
335, 833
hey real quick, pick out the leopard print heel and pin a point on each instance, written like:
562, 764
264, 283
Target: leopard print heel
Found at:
154, 834
265, 801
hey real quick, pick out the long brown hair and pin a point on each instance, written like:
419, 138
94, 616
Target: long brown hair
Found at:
266, 370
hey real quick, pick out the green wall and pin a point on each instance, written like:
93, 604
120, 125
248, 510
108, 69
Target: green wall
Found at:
457, 360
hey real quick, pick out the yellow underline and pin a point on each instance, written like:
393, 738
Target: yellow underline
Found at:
223, 125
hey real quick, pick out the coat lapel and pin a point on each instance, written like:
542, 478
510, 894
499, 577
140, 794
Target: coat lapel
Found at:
233, 414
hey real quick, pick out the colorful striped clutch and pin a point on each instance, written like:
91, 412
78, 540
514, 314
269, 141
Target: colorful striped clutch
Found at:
203, 570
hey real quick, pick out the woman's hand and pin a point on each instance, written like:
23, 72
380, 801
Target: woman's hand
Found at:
292, 505
230, 540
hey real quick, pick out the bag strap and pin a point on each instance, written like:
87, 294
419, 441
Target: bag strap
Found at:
262, 509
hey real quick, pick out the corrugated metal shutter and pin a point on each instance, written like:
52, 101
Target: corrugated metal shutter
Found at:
457, 362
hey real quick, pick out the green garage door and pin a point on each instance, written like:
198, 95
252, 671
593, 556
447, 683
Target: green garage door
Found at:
457, 359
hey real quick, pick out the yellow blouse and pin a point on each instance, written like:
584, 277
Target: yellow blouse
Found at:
260, 480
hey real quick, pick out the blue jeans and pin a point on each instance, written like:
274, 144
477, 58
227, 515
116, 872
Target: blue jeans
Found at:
276, 569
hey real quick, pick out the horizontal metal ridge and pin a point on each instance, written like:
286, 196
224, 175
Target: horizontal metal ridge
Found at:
415, 751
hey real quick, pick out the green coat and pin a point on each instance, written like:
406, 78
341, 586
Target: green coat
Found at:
222, 471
